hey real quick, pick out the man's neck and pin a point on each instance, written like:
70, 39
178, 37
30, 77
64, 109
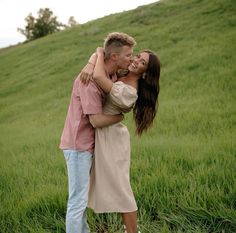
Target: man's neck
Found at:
110, 67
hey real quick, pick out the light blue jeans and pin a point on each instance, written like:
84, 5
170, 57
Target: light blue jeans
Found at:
78, 169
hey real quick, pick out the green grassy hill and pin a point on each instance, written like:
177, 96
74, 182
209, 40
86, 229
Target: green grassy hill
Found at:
183, 170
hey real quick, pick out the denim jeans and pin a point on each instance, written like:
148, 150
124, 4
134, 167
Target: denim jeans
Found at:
78, 169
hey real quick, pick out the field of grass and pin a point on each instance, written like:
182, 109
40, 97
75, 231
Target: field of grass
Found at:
183, 171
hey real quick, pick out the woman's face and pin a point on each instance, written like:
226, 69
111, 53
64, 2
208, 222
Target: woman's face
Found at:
140, 63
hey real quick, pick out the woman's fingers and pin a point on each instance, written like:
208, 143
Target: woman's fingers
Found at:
87, 74
85, 77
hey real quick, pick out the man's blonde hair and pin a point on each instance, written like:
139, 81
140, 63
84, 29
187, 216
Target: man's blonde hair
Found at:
115, 41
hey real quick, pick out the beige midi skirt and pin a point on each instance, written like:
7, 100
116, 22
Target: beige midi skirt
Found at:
110, 189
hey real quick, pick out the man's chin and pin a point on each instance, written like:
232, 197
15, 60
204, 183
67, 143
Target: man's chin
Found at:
122, 72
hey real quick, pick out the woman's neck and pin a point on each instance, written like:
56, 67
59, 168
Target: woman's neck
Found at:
131, 79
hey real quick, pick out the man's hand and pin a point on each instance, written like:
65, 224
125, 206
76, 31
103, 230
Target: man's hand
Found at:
102, 120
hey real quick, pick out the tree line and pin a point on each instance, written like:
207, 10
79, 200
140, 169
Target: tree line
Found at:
46, 23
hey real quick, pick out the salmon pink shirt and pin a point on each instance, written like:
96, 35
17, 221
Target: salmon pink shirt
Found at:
78, 133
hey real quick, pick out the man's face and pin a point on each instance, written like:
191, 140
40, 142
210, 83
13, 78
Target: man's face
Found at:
124, 58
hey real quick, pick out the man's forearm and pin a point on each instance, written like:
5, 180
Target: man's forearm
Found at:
102, 120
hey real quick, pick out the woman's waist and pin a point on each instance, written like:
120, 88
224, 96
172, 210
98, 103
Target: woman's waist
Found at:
117, 126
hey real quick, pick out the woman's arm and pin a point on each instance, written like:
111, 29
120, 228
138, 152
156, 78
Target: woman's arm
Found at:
99, 73
87, 72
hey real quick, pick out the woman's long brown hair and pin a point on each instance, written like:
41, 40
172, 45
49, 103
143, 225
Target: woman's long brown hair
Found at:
145, 108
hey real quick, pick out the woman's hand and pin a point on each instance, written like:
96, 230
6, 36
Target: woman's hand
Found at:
87, 72
100, 51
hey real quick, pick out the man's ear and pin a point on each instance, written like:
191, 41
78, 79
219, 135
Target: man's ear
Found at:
114, 56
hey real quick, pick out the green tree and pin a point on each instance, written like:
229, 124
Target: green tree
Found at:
45, 24
29, 28
72, 22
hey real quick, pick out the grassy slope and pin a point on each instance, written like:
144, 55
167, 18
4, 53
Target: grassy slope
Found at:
183, 170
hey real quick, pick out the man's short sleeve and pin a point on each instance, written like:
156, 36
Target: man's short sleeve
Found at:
91, 98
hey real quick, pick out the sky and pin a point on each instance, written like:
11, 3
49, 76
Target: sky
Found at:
13, 13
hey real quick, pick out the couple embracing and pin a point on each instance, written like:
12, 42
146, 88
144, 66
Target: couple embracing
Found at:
95, 143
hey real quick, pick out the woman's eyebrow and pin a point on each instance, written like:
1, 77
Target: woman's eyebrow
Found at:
143, 60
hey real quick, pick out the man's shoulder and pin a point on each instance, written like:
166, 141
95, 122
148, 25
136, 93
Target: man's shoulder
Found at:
90, 88
91, 84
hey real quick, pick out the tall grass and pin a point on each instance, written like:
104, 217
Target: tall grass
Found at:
182, 171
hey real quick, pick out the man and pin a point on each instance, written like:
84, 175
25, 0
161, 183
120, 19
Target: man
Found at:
77, 140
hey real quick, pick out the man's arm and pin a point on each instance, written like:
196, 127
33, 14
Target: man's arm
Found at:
102, 120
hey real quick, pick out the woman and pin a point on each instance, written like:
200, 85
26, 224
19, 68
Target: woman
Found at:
110, 189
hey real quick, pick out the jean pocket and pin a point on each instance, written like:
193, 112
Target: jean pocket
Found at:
67, 154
